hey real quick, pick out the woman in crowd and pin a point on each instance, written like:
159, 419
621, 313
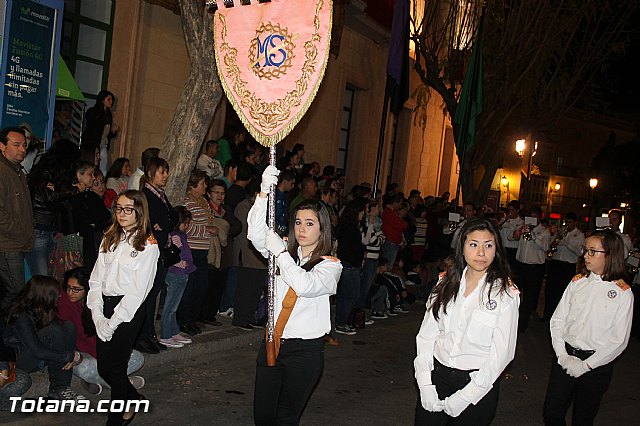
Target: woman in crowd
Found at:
199, 233
109, 196
176, 280
72, 308
216, 191
163, 219
308, 276
351, 247
590, 328
393, 227
90, 216
373, 238
38, 336
119, 283
100, 129
118, 175
468, 335
48, 196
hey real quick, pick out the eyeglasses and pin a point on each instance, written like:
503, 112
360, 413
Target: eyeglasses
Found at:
75, 290
127, 210
591, 252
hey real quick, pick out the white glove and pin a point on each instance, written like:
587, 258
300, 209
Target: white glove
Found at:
429, 399
454, 405
576, 367
103, 330
562, 360
269, 177
274, 243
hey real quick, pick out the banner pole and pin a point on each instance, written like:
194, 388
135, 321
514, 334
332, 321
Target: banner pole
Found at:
383, 128
271, 295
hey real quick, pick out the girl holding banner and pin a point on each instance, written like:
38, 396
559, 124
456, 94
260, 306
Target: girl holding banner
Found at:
307, 277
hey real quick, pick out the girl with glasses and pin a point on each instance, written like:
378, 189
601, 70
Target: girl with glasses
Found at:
119, 284
589, 329
72, 307
468, 335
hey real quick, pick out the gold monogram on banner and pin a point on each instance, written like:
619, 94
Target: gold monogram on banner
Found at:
271, 57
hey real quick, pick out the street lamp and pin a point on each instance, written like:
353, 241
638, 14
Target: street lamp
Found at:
553, 189
593, 182
505, 182
520, 146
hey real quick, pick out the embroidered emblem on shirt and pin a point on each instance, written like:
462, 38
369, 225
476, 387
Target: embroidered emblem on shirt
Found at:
491, 305
134, 253
577, 277
612, 294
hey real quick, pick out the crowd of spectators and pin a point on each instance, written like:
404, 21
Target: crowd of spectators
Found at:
391, 246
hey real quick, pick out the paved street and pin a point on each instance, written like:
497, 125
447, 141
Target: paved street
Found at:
368, 380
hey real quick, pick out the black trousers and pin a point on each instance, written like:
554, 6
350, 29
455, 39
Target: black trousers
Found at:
193, 296
148, 330
448, 381
586, 392
530, 277
215, 290
113, 356
558, 278
251, 283
282, 391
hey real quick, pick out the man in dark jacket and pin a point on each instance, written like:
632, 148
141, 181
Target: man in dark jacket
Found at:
16, 217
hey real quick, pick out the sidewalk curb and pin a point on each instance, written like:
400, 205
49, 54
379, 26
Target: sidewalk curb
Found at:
213, 340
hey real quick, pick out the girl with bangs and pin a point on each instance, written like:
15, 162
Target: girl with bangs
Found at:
590, 328
306, 277
119, 283
468, 335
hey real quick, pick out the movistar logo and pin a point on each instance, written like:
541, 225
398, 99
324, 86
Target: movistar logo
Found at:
28, 12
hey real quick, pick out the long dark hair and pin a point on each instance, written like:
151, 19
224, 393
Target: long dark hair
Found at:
349, 217
115, 171
497, 274
324, 244
40, 297
102, 95
81, 275
614, 266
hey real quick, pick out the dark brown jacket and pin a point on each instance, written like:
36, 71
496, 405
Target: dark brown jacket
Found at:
16, 216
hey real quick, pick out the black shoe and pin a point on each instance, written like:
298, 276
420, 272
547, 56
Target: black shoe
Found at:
246, 327
147, 346
195, 328
160, 346
186, 329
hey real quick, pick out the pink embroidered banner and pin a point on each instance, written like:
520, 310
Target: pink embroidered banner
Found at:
271, 58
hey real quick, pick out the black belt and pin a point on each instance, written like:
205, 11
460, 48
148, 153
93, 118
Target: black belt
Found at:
578, 353
112, 298
450, 370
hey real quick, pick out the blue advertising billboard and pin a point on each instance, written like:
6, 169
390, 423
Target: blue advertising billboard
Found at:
30, 47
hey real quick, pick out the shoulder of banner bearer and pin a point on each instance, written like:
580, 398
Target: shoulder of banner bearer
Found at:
332, 258
623, 285
152, 240
513, 287
577, 277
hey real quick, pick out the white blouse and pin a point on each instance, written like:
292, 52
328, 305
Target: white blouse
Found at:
123, 272
478, 332
310, 317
